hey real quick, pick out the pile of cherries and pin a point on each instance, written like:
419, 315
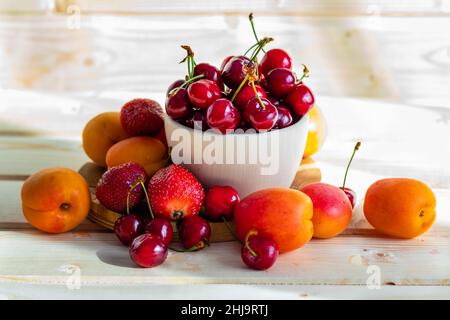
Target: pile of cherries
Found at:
242, 93
149, 241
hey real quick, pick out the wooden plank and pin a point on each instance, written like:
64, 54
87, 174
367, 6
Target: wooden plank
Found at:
14, 290
338, 261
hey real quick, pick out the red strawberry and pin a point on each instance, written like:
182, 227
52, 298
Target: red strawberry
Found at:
142, 117
175, 193
115, 184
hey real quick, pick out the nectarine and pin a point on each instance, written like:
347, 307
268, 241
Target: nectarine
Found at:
400, 207
332, 209
281, 214
149, 152
55, 200
100, 133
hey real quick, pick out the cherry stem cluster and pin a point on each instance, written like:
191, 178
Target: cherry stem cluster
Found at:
357, 145
252, 24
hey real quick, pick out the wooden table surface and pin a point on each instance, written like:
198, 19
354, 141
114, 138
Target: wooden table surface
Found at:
381, 76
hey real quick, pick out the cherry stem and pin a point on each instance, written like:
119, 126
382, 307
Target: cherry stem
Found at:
263, 106
202, 244
250, 17
305, 73
231, 230
148, 200
129, 193
240, 87
249, 49
184, 85
358, 144
251, 233
189, 59
260, 46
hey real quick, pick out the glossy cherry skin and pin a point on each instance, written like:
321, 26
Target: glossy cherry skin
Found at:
280, 82
129, 227
275, 58
198, 121
300, 100
235, 71
351, 195
162, 228
260, 117
148, 250
220, 202
246, 94
274, 100
178, 105
223, 116
284, 117
266, 253
194, 232
203, 93
175, 84
210, 73
224, 62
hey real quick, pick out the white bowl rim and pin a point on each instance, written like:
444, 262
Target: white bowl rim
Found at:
211, 132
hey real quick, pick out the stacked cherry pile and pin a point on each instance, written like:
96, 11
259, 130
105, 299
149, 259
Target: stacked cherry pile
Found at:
242, 93
172, 194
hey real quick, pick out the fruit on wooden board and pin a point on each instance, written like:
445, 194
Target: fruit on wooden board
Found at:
100, 134
142, 117
400, 207
175, 193
55, 200
257, 252
149, 152
281, 214
332, 209
316, 132
122, 187
148, 250
220, 202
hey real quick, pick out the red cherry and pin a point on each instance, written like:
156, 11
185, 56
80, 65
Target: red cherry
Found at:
175, 84
220, 202
260, 117
235, 71
210, 73
178, 105
148, 251
198, 121
194, 232
275, 58
351, 195
274, 100
284, 117
259, 253
224, 62
280, 82
162, 228
203, 93
223, 116
128, 227
300, 100
246, 93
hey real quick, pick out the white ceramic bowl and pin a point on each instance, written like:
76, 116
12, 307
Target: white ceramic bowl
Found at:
246, 161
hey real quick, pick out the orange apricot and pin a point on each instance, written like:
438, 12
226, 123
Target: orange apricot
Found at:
149, 152
55, 200
100, 133
400, 207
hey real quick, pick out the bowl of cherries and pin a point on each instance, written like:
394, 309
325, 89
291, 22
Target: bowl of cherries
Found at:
244, 124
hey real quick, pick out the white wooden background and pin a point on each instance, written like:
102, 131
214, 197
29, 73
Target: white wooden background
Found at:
381, 73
